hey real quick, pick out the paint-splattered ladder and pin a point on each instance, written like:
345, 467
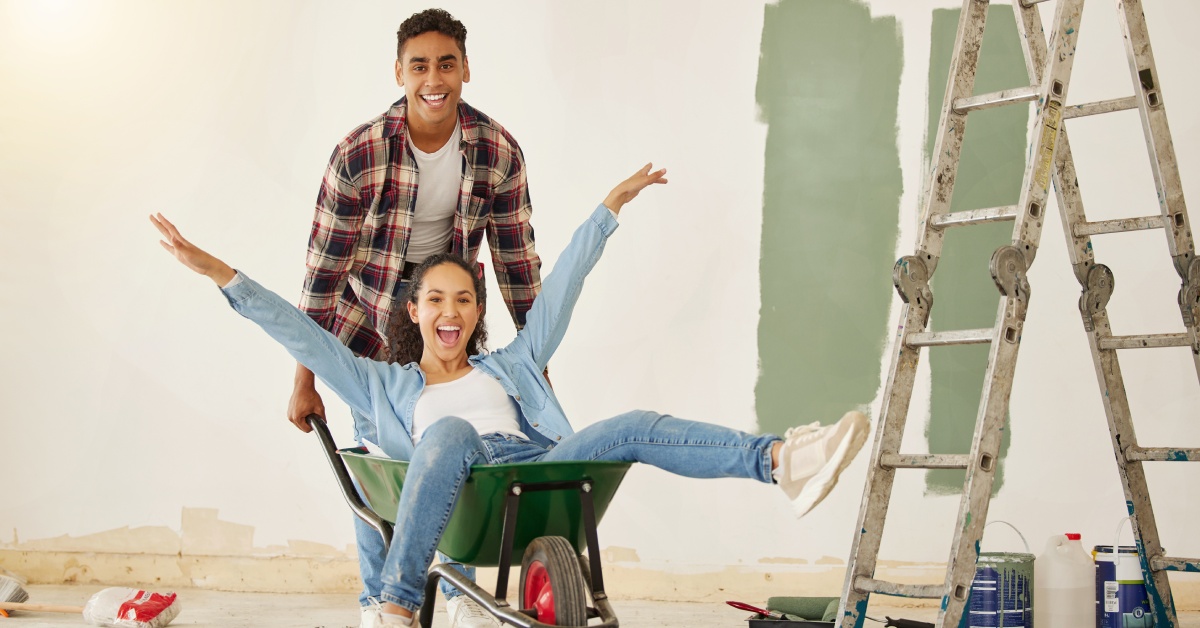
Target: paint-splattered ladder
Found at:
1097, 282
1049, 158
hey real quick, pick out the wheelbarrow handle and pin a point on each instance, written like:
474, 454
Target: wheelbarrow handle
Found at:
360, 508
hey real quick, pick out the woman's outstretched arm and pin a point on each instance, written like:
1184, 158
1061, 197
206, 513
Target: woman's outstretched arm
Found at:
547, 320
628, 189
191, 255
347, 375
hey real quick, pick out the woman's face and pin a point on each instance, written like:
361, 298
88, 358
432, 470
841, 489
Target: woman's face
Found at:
446, 311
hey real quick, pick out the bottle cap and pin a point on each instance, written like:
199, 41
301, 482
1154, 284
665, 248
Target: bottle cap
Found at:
1073, 536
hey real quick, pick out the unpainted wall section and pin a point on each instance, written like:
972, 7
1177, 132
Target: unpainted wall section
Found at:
129, 392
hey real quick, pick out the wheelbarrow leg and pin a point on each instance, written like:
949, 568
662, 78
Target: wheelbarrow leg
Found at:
431, 582
504, 612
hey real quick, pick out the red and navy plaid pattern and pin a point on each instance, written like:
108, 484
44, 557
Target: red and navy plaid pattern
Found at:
364, 218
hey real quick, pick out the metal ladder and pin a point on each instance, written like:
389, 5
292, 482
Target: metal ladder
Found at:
1097, 282
1049, 157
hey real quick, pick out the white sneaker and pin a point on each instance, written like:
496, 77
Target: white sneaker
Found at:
812, 457
371, 615
465, 613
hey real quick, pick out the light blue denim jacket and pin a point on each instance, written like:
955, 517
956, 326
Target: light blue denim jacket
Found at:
388, 393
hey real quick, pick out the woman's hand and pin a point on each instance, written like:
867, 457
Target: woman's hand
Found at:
190, 255
628, 189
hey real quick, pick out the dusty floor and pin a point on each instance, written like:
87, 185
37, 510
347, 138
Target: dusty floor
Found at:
202, 608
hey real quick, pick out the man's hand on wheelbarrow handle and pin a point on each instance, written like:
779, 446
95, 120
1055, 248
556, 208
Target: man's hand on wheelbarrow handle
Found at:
305, 400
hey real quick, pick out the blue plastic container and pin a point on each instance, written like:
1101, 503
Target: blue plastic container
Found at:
1121, 600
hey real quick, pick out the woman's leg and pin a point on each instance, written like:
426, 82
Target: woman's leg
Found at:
438, 469
687, 448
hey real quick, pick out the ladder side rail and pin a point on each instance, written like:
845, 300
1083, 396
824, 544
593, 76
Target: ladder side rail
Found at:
877, 492
984, 459
1133, 476
1009, 267
1066, 181
952, 127
1040, 165
1153, 112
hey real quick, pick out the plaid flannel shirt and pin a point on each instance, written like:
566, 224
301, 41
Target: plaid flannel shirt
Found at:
364, 219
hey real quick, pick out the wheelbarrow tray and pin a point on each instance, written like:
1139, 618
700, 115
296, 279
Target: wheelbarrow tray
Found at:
475, 530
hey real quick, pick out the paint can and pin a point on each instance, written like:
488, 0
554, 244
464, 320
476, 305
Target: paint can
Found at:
1002, 591
1121, 600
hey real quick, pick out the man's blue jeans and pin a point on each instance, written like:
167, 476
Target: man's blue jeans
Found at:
442, 461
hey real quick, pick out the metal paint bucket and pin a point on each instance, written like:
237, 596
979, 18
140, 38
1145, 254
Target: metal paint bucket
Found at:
1002, 591
1121, 600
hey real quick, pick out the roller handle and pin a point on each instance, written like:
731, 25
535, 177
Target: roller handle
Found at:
45, 608
907, 623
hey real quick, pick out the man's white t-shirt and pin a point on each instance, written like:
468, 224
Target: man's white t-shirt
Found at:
437, 198
476, 398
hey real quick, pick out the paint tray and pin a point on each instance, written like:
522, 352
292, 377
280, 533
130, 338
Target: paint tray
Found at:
761, 621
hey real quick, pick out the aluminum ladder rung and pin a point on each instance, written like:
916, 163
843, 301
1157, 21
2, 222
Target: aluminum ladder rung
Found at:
1145, 341
1098, 107
1120, 225
1167, 563
926, 591
1162, 454
973, 217
925, 461
997, 99
950, 338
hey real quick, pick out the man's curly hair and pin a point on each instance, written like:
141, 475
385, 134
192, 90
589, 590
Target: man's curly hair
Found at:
431, 20
405, 335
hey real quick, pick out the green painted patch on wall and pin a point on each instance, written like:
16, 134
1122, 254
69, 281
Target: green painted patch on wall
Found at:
989, 175
828, 88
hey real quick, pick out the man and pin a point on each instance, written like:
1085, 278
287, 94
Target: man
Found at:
430, 175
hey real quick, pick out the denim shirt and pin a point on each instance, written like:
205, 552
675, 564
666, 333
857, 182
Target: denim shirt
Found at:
388, 393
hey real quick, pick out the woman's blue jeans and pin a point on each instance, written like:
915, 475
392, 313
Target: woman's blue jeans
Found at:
442, 461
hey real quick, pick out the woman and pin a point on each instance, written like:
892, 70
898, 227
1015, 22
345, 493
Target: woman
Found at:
458, 405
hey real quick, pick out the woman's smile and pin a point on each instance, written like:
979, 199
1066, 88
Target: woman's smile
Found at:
449, 335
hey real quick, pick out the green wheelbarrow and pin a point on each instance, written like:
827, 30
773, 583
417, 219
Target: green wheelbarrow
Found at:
559, 503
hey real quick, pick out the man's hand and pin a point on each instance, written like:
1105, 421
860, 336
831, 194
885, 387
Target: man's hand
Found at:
305, 400
191, 255
628, 189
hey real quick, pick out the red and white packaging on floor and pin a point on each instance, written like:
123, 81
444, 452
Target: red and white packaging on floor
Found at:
122, 607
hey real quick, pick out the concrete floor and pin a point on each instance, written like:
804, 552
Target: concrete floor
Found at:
218, 609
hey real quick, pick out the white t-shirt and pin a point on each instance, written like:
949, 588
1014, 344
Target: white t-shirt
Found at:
437, 198
476, 398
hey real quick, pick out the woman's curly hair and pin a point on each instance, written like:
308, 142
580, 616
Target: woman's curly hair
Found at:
406, 342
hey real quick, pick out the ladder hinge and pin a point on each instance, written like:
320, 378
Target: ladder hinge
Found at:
1189, 293
1008, 267
1097, 291
911, 278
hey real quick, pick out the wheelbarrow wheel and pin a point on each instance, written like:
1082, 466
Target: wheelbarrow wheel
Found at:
552, 583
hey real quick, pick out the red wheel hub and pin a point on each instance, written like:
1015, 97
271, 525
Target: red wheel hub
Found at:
538, 593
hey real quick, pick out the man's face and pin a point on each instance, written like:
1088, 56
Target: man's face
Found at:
432, 72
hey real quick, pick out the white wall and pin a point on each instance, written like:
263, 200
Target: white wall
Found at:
130, 391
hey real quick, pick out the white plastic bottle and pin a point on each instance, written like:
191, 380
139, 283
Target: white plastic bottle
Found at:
1064, 580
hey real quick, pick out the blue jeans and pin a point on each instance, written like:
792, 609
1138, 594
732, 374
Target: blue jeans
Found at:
371, 552
442, 461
